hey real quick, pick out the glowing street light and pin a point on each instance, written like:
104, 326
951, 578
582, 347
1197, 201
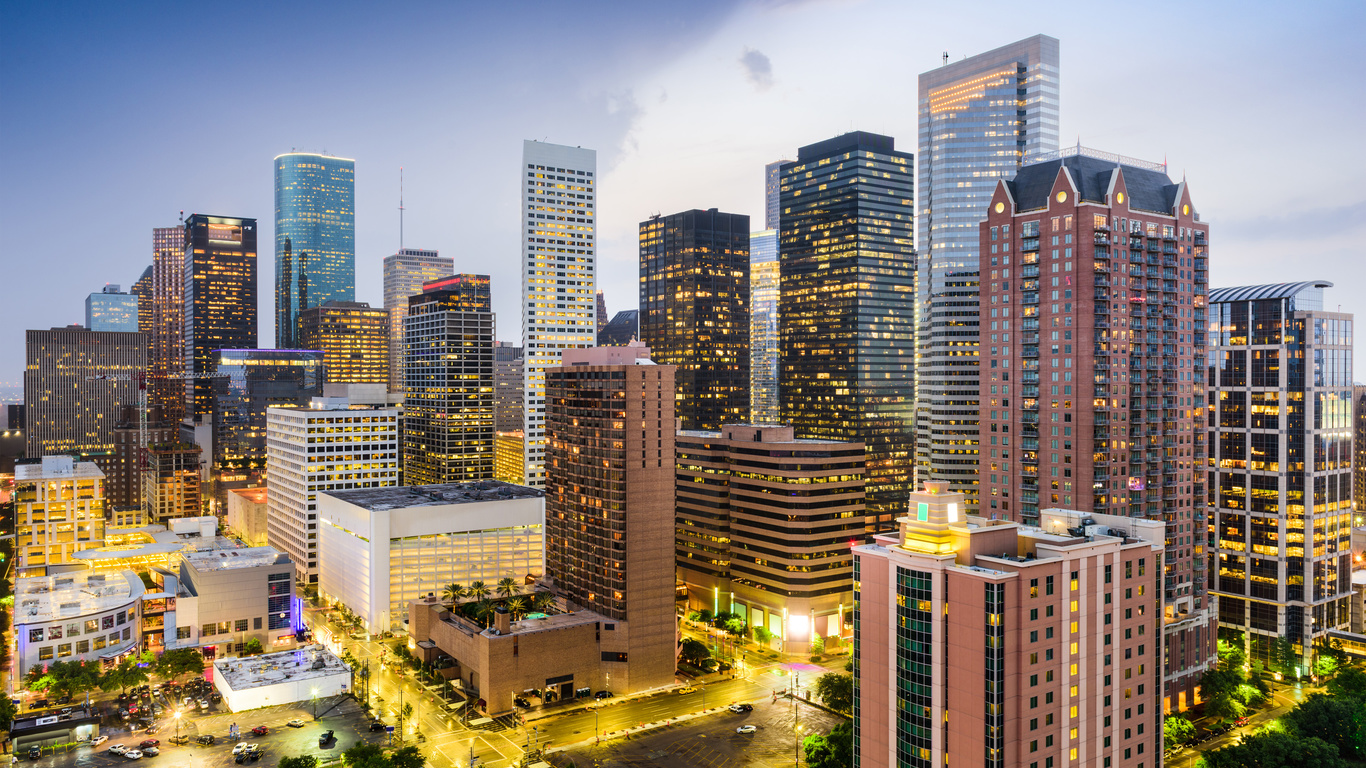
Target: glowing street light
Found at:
176, 717
315, 703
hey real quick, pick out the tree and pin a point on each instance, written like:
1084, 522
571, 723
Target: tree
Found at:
453, 592
517, 606
1325, 666
507, 586
1274, 749
1177, 730
1340, 722
836, 690
65, 678
1230, 649
407, 757
1283, 657
543, 602
817, 645
736, 627
365, 756
478, 590
834, 750
762, 636
694, 651
483, 610
8, 711
405, 714
127, 674
301, 761
1219, 689
1351, 681
179, 662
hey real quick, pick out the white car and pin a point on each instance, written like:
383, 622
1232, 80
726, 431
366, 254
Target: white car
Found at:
98, 740
239, 748
117, 749
747, 729
133, 754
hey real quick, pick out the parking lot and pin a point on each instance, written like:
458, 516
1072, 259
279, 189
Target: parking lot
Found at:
711, 741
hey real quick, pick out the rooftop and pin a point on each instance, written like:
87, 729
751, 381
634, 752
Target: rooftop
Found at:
404, 497
227, 559
49, 598
55, 468
311, 662
256, 495
1263, 292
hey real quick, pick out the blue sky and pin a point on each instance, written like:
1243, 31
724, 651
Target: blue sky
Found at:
115, 118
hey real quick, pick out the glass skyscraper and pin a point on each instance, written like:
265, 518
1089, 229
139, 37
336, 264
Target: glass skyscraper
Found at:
315, 237
219, 274
847, 263
980, 119
763, 326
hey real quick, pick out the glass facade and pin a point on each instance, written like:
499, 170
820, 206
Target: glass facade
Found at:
404, 274
166, 345
422, 564
256, 379
694, 311
847, 267
980, 119
315, 237
111, 310
914, 665
219, 273
763, 326
354, 339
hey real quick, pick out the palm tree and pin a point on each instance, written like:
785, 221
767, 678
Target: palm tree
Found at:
453, 592
478, 590
543, 601
483, 610
507, 586
517, 606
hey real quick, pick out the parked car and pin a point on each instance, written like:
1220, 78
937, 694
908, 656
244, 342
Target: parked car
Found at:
133, 754
248, 757
295, 723
741, 707
206, 739
325, 738
603, 695
117, 749
1242, 721
260, 730
148, 743
377, 725
687, 689
35, 752
240, 747
747, 729
39, 704
521, 702
151, 752
98, 740
64, 700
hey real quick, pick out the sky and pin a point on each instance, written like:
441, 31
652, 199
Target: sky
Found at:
115, 117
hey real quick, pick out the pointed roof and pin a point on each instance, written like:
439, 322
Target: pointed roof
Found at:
1149, 189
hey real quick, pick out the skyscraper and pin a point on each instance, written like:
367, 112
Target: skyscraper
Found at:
507, 387
694, 311
602, 311
622, 330
353, 337
1093, 366
764, 285
560, 282
315, 237
772, 193
609, 502
1359, 449
1280, 480
167, 342
847, 266
66, 412
448, 383
112, 310
142, 288
220, 299
404, 274
980, 119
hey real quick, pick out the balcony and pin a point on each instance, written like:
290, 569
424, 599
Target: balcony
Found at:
1102, 238
1029, 298
1029, 244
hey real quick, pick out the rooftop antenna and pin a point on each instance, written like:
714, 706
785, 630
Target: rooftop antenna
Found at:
946, 58
400, 208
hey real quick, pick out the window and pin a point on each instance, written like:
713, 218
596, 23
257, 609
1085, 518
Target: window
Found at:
1048, 586
45, 653
240, 626
64, 649
208, 630
83, 646
182, 633
256, 623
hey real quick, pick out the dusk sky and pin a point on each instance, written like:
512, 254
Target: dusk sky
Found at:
115, 117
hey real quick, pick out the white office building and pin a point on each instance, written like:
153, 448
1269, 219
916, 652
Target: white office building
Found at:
559, 287
379, 549
77, 616
336, 443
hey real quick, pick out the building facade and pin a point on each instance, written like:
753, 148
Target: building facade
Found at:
847, 266
448, 373
623, 329
327, 445
507, 387
773, 182
315, 238
166, 345
247, 515
227, 597
989, 642
1280, 480
763, 525
123, 486
59, 510
694, 311
81, 616
1093, 385
219, 301
560, 283
1359, 450
764, 288
175, 483
112, 310
610, 501
980, 119
142, 289
382, 549
353, 338
405, 273
65, 410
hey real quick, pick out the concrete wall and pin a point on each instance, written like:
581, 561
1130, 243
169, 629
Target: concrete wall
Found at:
287, 692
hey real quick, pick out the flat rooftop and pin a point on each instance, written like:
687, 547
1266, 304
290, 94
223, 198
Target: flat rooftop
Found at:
79, 470
50, 598
257, 495
441, 494
274, 668
228, 559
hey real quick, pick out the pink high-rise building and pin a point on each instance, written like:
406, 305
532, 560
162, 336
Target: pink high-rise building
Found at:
990, 642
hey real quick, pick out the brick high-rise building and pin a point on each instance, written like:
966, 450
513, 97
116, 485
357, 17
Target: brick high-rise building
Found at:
988, 642
220, 300
123, 484
1093, 347
1280, 469
610, 503
764, 523
694, 311
354, 340
166, 345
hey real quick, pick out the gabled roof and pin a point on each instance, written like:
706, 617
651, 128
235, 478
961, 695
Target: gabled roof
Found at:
1260, 292
1148, 190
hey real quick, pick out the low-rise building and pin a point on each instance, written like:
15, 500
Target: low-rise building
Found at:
381, 548
58, 511
247, 508
77, 616
226, 597
288, 677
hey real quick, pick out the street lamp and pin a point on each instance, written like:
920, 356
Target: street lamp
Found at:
177, 724
797, 748
315, 704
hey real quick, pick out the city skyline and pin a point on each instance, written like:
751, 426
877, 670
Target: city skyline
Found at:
636, 116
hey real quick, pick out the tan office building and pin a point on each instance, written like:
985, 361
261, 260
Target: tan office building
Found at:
58, 510
353, 337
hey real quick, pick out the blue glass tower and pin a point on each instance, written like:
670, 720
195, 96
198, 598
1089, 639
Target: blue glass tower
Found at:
315, 237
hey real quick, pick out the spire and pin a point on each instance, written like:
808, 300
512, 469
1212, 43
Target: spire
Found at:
400, 209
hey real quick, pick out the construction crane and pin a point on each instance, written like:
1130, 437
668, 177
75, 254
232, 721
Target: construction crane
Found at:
144, 449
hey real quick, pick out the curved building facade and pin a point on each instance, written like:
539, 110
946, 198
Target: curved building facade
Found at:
315, 237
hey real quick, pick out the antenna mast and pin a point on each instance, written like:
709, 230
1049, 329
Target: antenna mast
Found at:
400, 208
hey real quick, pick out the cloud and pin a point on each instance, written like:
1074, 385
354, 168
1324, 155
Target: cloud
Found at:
758, 68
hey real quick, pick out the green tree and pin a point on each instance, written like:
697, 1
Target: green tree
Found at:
1350, 681
1283, 657
762, 636
478, 590
301, 761
694, 651
365, 756
483, 610
1230, 649
127, 674
252, 647
181, 661
453, 592
834, 750
836, 690
1325, 666
1274, 749
1219, 689
543, 602
65, 678
1340, 722
517, 606
407, 757
736, 627
817, 645
8, 711
1177, 730
507, 586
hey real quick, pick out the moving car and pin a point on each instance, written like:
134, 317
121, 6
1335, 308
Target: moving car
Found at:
133, 754
377, 725
295, 723
747, 729
117, 749
98, 740
687, 689
603, 695
260, 730
325, 738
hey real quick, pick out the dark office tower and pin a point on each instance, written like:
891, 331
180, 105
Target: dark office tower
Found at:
166, 346
220, 300
447, 431
624, 329
1280, 479
507, 387
1093, 314
980, 119
845, 318
1359, 448
602, 311
66, 412
142, 289
315, 237
353, 336
694, 311
609, 502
